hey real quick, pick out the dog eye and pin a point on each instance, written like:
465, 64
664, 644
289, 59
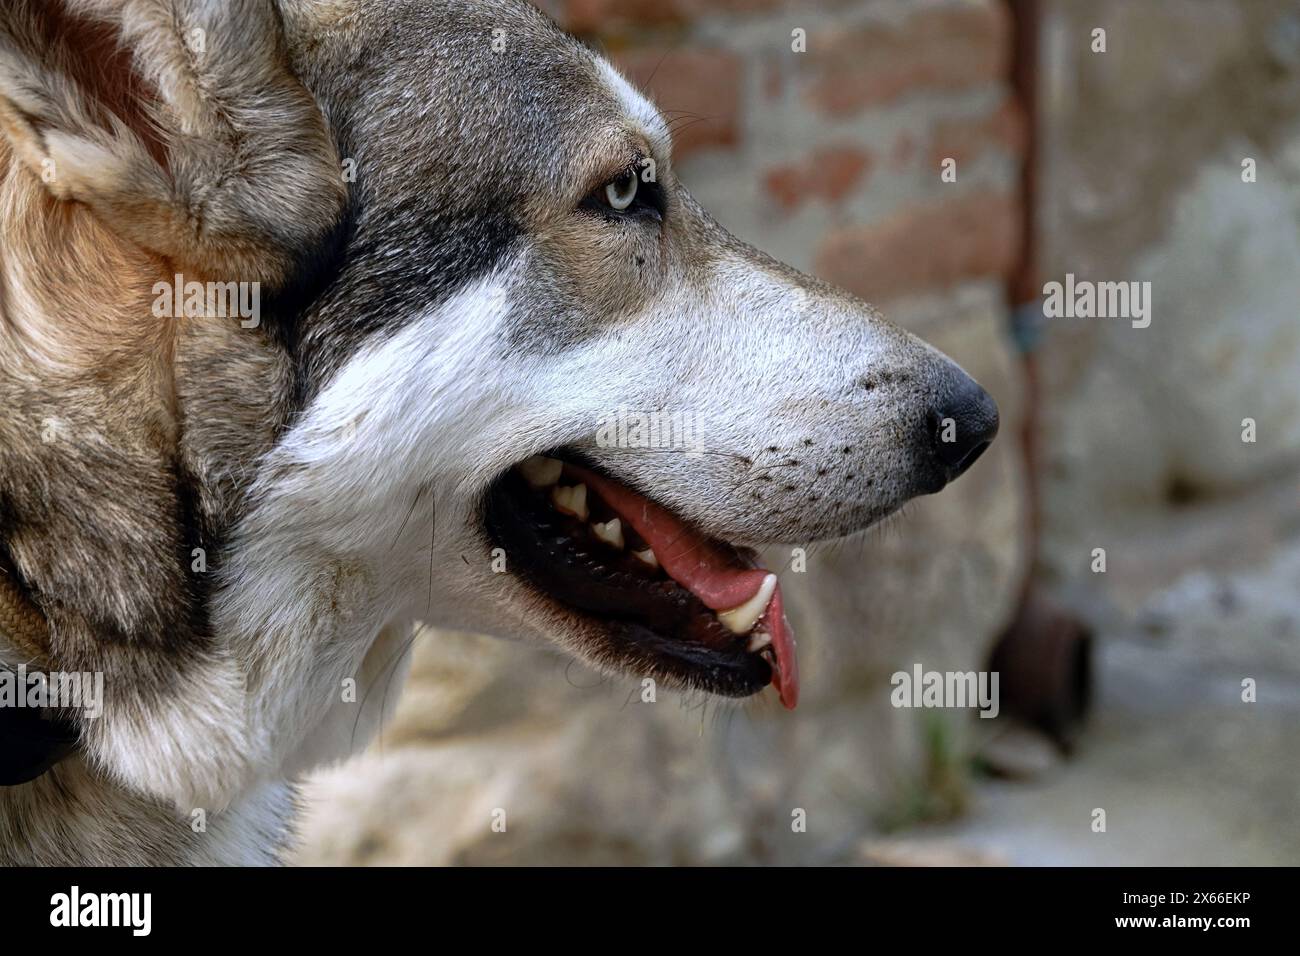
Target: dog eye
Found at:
626, 197
620, 192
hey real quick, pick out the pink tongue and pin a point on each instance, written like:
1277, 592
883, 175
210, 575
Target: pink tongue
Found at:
785, 677
706, 569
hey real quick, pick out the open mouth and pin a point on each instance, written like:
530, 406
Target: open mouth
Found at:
665, 597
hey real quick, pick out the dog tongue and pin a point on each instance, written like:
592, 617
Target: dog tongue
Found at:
785, 676
710, 571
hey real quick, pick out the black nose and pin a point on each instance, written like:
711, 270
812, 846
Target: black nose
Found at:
962, 424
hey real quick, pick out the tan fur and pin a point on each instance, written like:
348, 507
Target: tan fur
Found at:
74, 291
227, 184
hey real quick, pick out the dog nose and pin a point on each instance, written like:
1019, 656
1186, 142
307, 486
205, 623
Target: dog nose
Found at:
962, 423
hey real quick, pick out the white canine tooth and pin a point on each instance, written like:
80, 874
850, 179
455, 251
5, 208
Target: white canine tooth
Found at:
741, 619
647, 557
541, 472
572, 501
758, 641
611, 532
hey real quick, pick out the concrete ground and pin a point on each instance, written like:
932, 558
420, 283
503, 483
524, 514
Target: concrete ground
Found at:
1187, 772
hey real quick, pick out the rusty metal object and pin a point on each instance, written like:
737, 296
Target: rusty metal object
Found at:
1044, 662
1045, 657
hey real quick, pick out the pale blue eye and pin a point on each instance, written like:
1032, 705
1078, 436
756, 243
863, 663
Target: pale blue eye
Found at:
620, 193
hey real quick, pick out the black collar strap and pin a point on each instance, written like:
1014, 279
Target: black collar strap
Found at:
31, 740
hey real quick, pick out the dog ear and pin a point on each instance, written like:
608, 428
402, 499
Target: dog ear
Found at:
180, 126
178, 122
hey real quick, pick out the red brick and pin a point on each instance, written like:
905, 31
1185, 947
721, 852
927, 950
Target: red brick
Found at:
785, 184
936, 48
925, 247
603, 16
697, 7
829, 174
965, 139
698, 90
596, 16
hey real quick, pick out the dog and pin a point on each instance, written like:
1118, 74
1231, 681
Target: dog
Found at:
314, 315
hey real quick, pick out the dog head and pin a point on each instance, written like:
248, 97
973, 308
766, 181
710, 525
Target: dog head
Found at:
504, 375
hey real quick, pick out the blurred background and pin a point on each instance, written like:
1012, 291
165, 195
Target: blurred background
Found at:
1164, 689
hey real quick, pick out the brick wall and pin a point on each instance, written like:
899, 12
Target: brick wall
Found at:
830, 159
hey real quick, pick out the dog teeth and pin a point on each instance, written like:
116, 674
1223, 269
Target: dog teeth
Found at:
647, 557
611, 532
741, 619
541, 472
572, 501
758, 641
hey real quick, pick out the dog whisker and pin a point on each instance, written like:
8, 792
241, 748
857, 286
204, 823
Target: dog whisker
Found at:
409, 511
